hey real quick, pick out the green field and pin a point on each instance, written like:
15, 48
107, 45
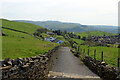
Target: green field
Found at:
110, 54
26, 27
19, 47
60, 38
17, 44
15, 34
78, 40
44, 35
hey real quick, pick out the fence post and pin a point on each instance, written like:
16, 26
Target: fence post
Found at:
78, 48
118, 61
94, 53
88, 52
102, 57
118, 53
83, 51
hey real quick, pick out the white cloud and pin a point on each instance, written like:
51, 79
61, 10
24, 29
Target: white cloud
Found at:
81, 11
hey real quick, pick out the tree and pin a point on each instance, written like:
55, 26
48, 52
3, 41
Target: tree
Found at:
58, 32
71, 35
84, 38
104, 35
89, 38
42, 30
119, 46
79, 37
65, 31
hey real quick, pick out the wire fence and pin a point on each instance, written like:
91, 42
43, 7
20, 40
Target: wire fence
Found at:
100, 55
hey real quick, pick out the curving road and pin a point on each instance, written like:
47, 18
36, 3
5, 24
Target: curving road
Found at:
67, 65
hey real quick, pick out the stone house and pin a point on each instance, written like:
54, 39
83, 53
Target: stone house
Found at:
50, 33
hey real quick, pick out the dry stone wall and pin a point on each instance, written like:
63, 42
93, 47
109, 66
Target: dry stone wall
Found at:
28, 68
105, 71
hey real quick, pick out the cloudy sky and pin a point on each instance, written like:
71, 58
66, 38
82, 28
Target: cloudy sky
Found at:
92, 12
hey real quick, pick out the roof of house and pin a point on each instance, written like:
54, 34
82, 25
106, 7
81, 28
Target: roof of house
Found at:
51, 33
56, 40
48, 37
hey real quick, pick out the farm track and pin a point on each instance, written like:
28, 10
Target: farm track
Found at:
69, 66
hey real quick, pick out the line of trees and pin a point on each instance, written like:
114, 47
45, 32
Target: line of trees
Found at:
39, 31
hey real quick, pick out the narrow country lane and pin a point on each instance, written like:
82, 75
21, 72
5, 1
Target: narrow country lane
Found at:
69, 66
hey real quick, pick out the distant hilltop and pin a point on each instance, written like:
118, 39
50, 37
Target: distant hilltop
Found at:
72, 27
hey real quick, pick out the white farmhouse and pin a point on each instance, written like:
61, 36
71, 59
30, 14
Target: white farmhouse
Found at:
49, 39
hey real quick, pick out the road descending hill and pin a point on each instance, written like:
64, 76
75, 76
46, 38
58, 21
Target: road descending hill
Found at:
69, 66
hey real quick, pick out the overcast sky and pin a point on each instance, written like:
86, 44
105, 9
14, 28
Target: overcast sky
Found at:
92, 12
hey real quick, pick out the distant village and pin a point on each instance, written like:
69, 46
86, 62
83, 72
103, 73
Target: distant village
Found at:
107, 39
49, 37
52, 39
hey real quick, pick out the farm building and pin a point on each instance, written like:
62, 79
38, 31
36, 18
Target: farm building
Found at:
58, 41
49, 39
51, 33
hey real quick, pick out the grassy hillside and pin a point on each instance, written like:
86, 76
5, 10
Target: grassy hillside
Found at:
15, 34
19, 47
60, 38
17, 44
78, 41
94, 33
26, 27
